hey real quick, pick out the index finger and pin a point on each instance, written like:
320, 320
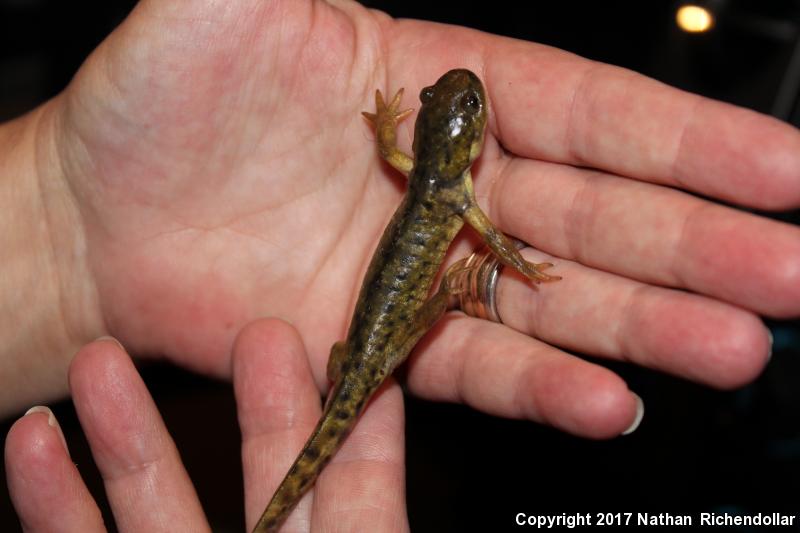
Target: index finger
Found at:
556, 106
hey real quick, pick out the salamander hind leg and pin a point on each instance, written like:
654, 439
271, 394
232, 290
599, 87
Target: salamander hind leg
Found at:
335, 360
424, 319
504, 248
385, 119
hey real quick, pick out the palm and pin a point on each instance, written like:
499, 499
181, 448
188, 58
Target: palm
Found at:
242, 182
224, 172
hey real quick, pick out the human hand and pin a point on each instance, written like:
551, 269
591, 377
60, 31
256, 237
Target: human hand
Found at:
219, 169
147, 486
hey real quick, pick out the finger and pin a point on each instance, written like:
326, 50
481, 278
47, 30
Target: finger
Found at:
651, 233
147, 486
364, 484
278, 405
556, 106
602, 314
503, 372
45, 487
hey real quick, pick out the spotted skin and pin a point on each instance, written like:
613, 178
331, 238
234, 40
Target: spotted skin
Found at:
393, 310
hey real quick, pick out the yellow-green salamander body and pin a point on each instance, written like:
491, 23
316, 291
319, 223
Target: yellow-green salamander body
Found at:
393, 310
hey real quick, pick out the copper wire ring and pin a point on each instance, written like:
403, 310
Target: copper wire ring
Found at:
476, 283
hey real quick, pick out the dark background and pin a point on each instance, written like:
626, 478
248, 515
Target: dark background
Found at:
696, 450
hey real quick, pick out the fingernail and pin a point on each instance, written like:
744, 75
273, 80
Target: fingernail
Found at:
639, 414
112, 339
51, 421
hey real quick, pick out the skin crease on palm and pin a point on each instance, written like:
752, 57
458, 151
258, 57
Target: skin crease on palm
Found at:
210, 165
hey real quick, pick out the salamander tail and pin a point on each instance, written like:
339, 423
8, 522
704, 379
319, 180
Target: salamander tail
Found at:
337, 420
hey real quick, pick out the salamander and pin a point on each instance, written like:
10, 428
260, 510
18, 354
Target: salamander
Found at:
393, 310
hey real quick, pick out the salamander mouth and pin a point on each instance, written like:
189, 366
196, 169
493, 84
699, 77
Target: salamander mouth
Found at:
475, 148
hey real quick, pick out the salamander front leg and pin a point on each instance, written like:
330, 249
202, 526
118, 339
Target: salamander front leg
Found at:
385, 119
504, 248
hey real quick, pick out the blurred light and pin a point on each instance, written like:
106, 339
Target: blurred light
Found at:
694, 19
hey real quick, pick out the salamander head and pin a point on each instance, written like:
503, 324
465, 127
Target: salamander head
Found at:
448, 134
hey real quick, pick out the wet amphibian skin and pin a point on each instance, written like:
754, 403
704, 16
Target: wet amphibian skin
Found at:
393, 310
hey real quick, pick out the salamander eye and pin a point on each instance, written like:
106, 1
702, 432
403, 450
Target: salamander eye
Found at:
426, 94
470, 102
